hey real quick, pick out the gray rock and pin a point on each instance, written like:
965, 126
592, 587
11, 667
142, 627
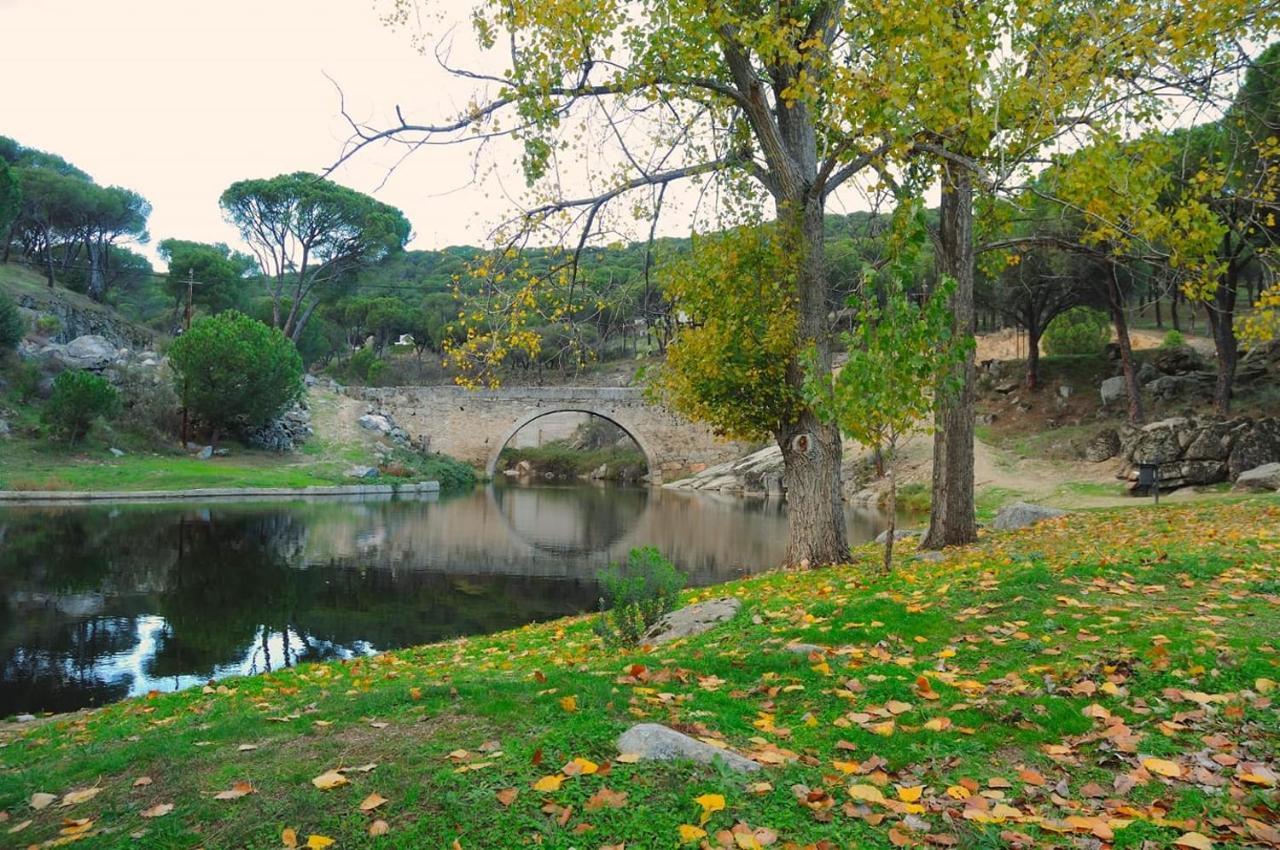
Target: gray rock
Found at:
1065, 391
931, 557
693, 620
1175, 387
375, 422
1104, 446
804, 648
1200, 472
4, 428
898, 534
1147, 373
1159, 442
1007, 387
115, 452
1255, 447
1260, 479
25, 718
362, 472
1211, 441
1112, 389
91, 352
1179, 360
1022, 514
205, 453
657, 742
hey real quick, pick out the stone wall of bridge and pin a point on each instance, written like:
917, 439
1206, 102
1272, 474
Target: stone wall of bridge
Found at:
474, 425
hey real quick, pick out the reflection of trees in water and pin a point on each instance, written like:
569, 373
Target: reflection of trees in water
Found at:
570, 520
62, 674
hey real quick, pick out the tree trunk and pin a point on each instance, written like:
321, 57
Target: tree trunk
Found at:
1173, 310
97, 280
811, 449
952, 519
893, 516
1121, 323
1226, 347
1033, 355
48, 258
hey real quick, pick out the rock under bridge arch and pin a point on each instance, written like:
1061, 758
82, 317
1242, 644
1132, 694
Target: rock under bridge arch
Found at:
474, 425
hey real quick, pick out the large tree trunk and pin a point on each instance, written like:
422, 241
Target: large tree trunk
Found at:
1222, 313
1121, 322
1033, 354
952, 519
811, 449
97, 278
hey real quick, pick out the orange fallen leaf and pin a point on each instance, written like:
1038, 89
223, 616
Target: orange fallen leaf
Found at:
235, 792
329, 779
569, 704
507, 796
159, 810
289, 838
606, 799
1194, 840
379, 827
372, 802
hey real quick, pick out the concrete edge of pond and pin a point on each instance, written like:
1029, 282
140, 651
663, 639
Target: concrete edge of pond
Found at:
43, 496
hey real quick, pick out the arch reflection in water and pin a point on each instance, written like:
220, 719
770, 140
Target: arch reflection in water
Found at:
98, 603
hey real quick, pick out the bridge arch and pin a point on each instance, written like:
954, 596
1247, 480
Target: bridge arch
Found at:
650, 459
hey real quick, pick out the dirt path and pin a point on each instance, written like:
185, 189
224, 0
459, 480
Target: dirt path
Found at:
1010, 344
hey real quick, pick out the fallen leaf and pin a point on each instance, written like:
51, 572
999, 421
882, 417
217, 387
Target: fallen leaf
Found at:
710, 803
235, 792
18, 827
569, 704
628, 758
606, 799
159, 810
507, 796
84, 795
910, 793
1194, 840
142, 782
379, 827
75, 826
289, 838
329, 779
1162, 767
318, 842
41, 800
372, 802
549, 783
690, 834
866, 793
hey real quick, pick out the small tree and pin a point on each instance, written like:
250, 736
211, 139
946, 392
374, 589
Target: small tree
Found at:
78, 399
231, 371
12, 327
901, 351
1078, 331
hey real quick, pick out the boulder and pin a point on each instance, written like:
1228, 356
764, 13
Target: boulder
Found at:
1177, 387
90, 352
1255, 447
1178, 360
1147, 373
375, 422
205, 453
1022, 514
1260, 479
1159, 442
115, 452
1212, 441
1112, 389
362, 472
693, 620
804, 648
1065, 390
659, 743
898, 534
1104, 446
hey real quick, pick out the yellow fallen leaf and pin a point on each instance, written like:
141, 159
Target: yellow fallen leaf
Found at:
1264, 686
84, 795
569, 703
329, 779
710, 803
549, 783
289, 838
1194, 840
959, 792
75, 826
910, 793
1162, 767
582, 766
318, 842
690, 834
372, 802
628, 758
866, 793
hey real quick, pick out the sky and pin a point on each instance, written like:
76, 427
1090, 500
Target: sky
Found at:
177, 100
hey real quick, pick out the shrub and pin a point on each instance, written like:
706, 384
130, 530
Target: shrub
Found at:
637, 597
12, 327
364, 367
78, 399
148, 402
1080, 330
1173, 339
48, 324
234, 371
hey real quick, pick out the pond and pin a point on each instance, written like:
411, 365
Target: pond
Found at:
100, 602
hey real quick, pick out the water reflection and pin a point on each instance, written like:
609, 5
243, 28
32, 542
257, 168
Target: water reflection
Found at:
102, 602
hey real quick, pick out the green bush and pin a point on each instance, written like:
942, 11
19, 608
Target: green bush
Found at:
12, 327
234, 371
1080, 330
48, 324
1173, 339
78, 399
637, 597
364, 367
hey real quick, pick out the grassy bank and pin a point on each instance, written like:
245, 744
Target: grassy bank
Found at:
563, 462
1106, 677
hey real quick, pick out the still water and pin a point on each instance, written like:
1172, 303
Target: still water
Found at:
102, 602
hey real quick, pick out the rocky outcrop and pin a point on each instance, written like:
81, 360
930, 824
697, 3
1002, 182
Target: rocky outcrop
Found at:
759, 473
1190, 451
660, 743
1104, 446
73, 320
282, 434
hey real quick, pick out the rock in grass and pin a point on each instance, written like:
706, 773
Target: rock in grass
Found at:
693, 620
1260, 479
1022, 514
804, 648
657, 742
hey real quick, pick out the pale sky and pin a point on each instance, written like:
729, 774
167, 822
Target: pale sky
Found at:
178, 99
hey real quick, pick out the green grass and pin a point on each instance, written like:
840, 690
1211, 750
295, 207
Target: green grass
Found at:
562, 461
1014, 672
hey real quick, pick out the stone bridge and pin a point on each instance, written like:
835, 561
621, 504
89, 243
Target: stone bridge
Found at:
474, 425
